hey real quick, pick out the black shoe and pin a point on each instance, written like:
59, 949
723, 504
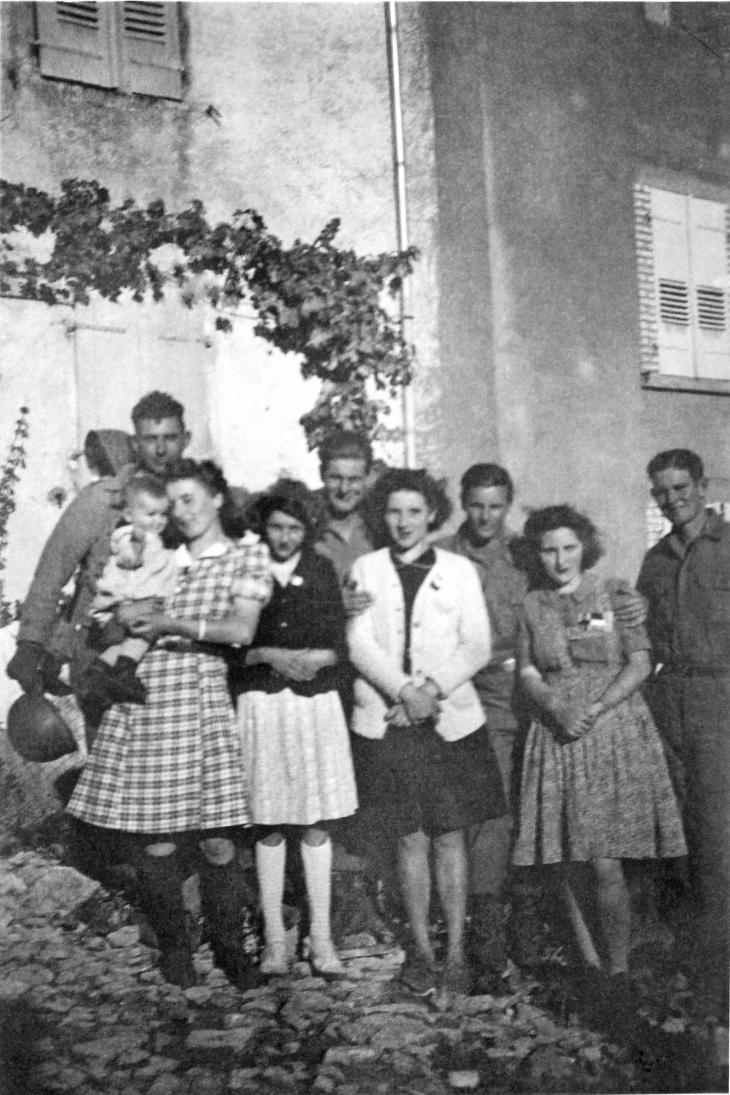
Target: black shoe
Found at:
124, 684
225, 900
237, 965
159, 896
92, 689
176, 966
617, 1006
487, 940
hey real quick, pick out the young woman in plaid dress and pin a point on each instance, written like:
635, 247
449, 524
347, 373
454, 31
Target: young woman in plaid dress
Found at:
295, 738
170, 774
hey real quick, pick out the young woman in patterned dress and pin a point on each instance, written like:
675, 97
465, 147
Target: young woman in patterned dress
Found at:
595, 783
295, 738
168, 777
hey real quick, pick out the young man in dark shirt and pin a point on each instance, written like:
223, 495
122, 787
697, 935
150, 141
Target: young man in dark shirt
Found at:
686, 580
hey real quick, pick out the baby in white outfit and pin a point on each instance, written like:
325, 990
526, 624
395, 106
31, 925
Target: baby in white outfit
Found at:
139, 568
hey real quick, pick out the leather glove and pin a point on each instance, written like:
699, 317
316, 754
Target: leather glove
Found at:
51, 666
26, 666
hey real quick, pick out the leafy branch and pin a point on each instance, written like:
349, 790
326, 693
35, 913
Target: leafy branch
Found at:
318, 300
9, 476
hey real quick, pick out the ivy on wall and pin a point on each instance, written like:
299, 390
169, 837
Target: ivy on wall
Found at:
317, 300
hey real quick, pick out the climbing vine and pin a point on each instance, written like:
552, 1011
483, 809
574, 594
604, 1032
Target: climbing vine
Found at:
14, 461
322, 302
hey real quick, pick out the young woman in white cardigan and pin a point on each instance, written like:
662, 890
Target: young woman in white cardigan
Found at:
421, 748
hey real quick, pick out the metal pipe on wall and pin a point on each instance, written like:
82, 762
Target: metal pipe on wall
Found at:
401, 209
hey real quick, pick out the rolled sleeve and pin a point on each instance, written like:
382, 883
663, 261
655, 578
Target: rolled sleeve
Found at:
253, 581
633, 639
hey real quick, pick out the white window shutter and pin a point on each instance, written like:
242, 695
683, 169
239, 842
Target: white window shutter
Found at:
77, 42
672, 282
708, 255
151, 49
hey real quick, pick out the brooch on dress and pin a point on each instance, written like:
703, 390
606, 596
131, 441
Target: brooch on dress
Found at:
594, 621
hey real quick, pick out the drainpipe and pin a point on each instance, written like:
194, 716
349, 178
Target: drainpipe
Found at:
401, 210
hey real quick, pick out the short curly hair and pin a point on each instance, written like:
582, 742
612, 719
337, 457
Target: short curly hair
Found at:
487, 475
550, 518
679, 459
289, 496
345, 445
155, 406
420, 482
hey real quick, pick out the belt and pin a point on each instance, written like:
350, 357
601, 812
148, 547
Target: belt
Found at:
679, 670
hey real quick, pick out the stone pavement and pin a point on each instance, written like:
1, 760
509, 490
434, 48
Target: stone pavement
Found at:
89, 1013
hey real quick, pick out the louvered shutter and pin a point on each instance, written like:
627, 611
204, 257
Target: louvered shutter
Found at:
708, 259
77, 42
151, 49
672, 282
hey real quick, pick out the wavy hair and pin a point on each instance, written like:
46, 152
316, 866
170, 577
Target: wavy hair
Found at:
289, 496
420, 482
211, 478
550, 518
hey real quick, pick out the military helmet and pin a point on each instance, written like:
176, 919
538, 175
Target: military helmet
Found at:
36, 730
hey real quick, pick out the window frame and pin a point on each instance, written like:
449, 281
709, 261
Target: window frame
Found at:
688, 187
108, 46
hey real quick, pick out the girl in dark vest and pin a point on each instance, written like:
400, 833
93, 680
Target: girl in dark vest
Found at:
295, 739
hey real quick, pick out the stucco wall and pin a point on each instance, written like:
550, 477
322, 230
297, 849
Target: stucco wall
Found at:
300, 132
574, 100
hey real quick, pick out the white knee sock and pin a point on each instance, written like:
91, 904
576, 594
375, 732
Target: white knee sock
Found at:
270, 861
317, 860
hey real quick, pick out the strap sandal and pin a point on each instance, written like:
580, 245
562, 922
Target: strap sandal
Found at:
274, 961
418, 972
325, 962
457, 979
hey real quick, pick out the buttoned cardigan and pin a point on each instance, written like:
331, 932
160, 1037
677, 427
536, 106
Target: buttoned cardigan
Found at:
450, 642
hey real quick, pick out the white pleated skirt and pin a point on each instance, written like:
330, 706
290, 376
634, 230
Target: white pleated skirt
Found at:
296, 752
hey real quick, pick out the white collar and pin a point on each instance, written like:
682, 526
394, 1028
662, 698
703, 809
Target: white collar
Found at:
283, 571
184, 558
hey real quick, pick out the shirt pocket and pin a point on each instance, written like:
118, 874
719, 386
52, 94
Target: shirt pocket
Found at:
719, 606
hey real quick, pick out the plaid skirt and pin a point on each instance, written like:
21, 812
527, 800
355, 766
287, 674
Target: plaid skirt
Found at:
174, 763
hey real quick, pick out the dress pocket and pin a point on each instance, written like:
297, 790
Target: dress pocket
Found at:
589, 648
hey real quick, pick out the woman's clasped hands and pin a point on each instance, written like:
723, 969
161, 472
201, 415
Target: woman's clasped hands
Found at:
575, 720
298, 665
416, 703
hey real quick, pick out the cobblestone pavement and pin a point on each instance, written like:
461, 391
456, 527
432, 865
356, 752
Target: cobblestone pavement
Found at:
89, 1013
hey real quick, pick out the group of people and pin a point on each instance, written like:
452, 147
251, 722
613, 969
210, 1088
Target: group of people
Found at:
475, 701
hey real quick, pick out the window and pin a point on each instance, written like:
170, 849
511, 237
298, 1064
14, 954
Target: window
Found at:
684, 283
132, 47
658, 13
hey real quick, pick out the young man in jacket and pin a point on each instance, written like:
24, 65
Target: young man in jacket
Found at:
80, 546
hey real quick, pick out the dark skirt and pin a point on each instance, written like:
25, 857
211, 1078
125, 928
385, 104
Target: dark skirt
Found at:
414, 780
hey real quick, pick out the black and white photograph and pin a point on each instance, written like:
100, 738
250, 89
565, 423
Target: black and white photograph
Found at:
364, 547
